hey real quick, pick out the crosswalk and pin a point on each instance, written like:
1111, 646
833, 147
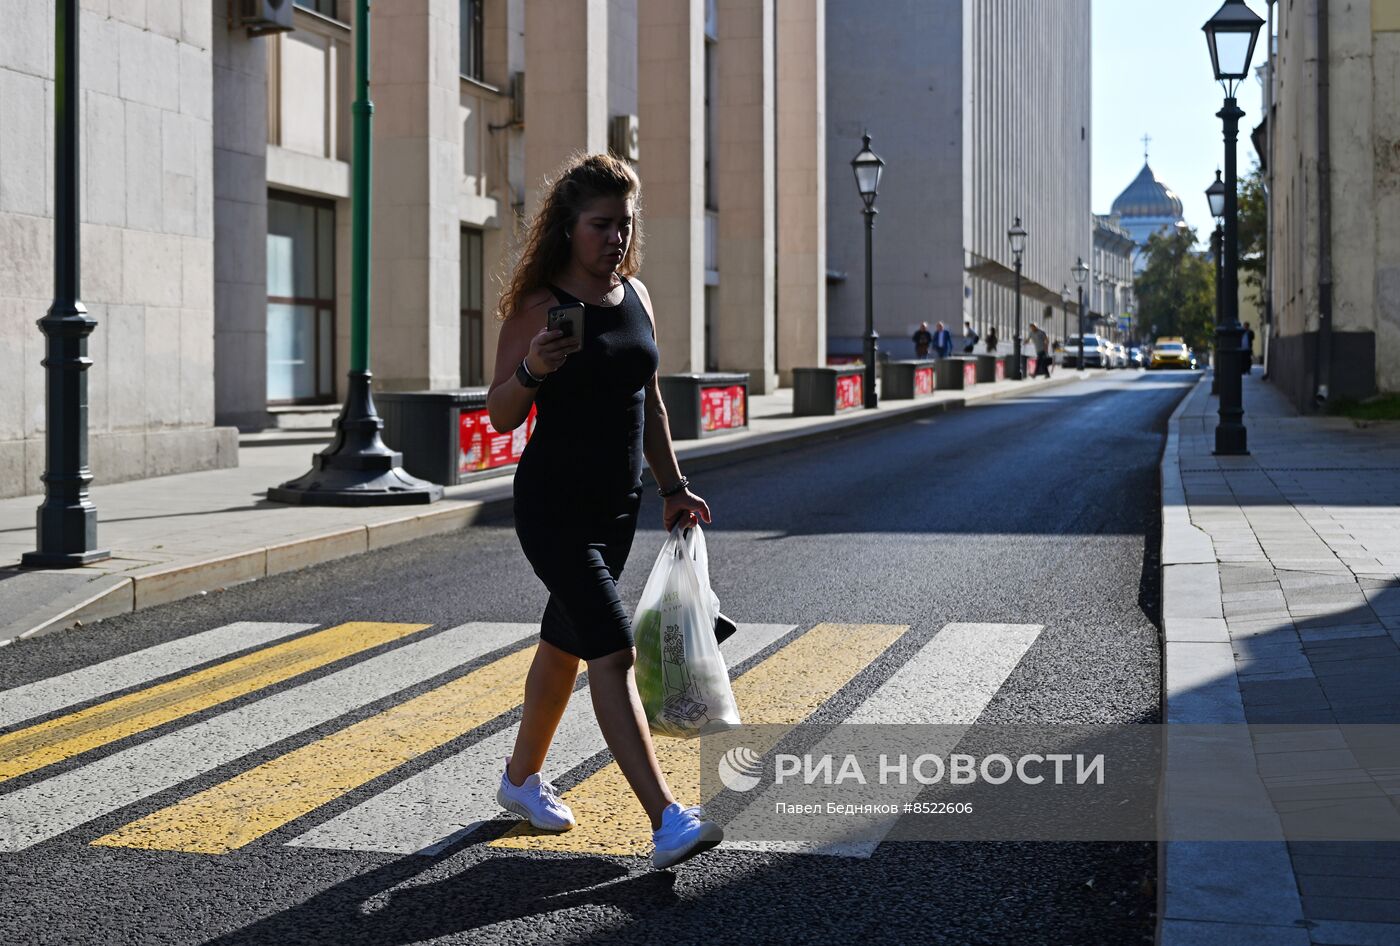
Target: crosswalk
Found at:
358, 704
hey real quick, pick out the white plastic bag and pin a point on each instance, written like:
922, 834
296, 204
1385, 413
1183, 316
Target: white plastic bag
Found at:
681, 676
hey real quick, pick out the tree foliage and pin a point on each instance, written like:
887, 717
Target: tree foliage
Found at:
1254, 232
1176, 289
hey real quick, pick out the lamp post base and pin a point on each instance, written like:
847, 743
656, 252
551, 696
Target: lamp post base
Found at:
61, 559
357, 469
1231, 437
1231, 441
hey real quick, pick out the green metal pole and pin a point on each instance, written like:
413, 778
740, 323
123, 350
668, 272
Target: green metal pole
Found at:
358, 469
362, 111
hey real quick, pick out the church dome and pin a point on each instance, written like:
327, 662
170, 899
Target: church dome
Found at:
1148, 197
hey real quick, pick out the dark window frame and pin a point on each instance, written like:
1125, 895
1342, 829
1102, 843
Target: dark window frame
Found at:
330, 9
473, 318
471, 40
316, 303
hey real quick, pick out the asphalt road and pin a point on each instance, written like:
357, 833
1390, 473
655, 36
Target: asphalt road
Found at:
1037, 511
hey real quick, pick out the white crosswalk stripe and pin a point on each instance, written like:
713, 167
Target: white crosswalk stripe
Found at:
50, 807
950, 680
450, 799
42, 697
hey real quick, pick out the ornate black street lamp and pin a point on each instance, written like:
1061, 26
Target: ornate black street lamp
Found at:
358, 468
67, 519
1017, 237
867, 166
1215, 194
1081, 272
1231, 35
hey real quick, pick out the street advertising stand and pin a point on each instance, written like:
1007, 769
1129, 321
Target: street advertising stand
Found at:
906, 380
830, 390
955, 374
446, 436
705, 405
990, 369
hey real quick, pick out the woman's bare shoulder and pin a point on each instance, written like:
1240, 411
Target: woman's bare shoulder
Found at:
642, 293
535, 303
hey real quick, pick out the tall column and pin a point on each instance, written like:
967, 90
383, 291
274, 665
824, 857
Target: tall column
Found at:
240, 227
801, 177
566, 85
671, 119
417, 165
744, 154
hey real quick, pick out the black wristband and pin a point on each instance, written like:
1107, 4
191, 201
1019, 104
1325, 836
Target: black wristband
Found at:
523, 375
664, 493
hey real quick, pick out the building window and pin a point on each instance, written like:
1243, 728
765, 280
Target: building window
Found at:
472, 361
471, 38
300, 299
711, 67
328, 8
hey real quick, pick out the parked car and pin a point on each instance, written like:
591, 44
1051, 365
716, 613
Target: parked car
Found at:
1096, 352
1136, 359
1120, 356
1172, 353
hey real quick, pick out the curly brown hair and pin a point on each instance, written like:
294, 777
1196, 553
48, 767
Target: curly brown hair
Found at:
545, 251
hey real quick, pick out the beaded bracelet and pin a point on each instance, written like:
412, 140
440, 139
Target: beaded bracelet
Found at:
664, 493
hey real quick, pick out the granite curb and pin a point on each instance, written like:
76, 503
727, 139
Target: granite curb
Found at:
1209, 892
171, 581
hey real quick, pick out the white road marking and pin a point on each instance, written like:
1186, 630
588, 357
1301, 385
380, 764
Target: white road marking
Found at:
48, 808
450, 799
949, 681
43, 697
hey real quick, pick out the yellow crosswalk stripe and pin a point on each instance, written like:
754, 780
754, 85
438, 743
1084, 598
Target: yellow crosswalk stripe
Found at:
784, 689
253, 803
32, 748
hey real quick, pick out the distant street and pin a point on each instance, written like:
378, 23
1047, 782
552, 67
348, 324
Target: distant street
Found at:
258, 798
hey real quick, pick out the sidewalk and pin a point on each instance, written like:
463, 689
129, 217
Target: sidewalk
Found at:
175, 536
1281, 604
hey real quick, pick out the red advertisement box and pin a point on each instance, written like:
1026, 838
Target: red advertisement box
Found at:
850, 392
722, 408
1031, 363
923, 381
969, 373
483, 447
1001, 369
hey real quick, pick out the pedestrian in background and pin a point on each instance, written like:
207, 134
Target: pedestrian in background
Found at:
942, 341
578, 485
970, 339
1041, 343
922, 340
1247, 342
992, 340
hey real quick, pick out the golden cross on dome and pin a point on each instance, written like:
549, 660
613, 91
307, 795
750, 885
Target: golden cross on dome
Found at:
1146, 141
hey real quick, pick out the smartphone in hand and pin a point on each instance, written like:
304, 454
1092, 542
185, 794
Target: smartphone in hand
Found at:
567, 319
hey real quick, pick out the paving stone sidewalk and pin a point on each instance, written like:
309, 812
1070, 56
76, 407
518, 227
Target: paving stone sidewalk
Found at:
1306, 540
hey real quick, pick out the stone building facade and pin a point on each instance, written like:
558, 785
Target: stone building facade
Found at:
148, 231
981, 111
1361, 233
216, 203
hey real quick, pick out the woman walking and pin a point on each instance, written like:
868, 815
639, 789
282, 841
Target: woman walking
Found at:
578, 483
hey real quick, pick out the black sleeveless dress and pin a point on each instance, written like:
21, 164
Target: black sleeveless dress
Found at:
578, 482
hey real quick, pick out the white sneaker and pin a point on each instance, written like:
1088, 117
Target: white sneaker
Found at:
536, 800
682, 835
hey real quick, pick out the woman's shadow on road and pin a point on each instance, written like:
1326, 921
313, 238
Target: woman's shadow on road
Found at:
384, 907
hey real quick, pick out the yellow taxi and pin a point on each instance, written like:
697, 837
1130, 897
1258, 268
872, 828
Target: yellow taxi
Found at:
1171, 352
